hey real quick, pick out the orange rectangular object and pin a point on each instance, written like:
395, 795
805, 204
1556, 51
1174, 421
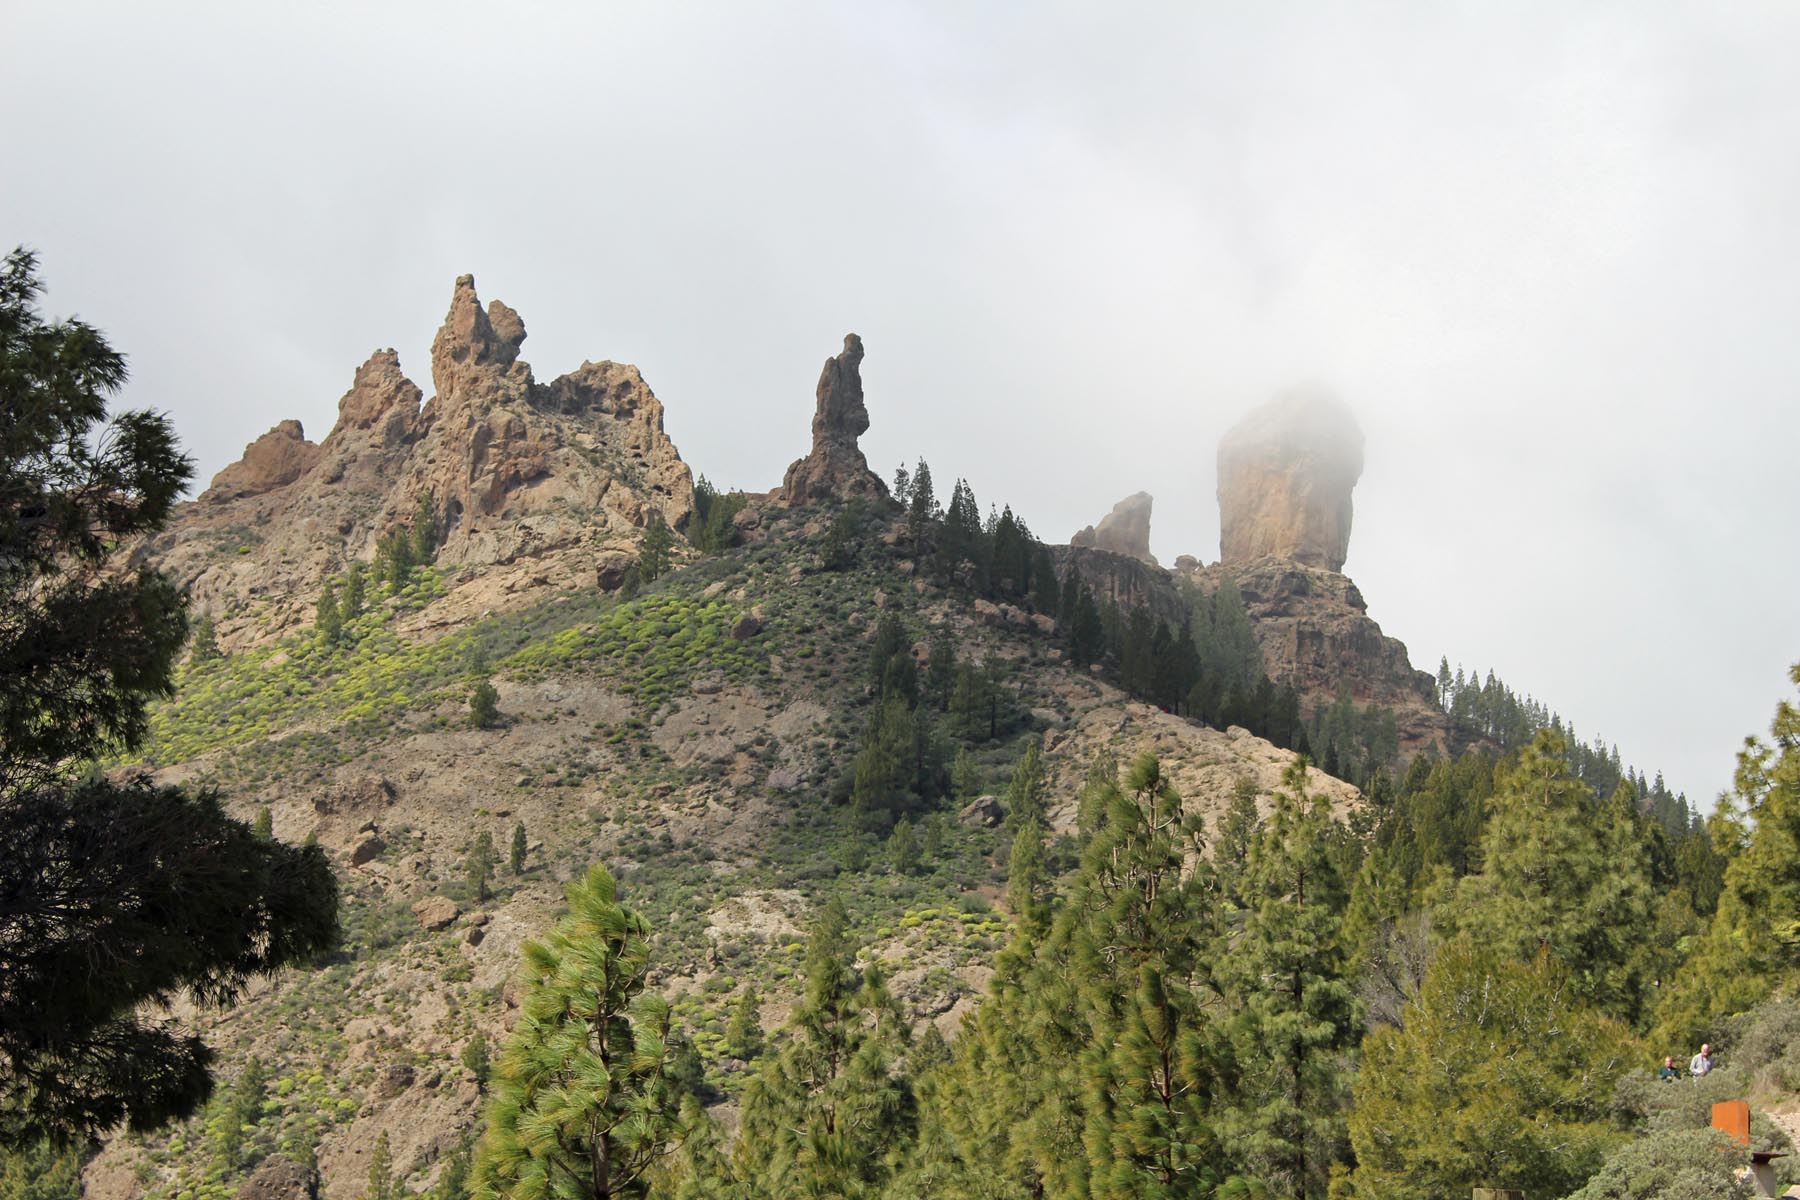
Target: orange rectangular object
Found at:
1732, 1118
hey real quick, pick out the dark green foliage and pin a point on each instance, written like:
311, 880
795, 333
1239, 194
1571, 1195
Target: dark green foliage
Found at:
712, 530
328, 621
181, 897
897, 770
478, 865
484, 705
40, 1171
424, 532
355, 597
903, 847
1564, 875
475, 1058
204, 644
265, 824
453, 1183
1498, 1078
829, 1115
1297, 1021
580, 1104
382, 1185
744, 1032
516, 856
654, 549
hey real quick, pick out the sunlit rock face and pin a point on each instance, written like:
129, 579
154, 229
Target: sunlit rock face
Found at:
1286, 472
1124, 530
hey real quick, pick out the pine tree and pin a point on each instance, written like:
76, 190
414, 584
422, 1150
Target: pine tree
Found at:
355, 596
517, 858
903, 847
479, 865
654, 550
453, 1183
265, 824
580, 1106
884, 783
744, 1032
1297, 1018
424, 532
1753, 943
1497, 1077
940, 670
484, 705
965, 776
1561, 876
381, 1185
119, 894
328, 621
921, 509
475, 1058
205, 641
830, 1114
1237, 831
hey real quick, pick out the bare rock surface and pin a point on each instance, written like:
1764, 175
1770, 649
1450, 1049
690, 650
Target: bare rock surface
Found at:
280, 1178
1125, 530
835, 468
1286, 472
516, 473
274, 460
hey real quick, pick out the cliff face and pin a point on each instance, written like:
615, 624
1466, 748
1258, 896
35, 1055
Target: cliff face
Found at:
518, 473
1315, 632
1125, 530
1286, 472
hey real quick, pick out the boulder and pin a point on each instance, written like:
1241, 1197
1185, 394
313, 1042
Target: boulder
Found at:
280, 1178
985, 811
1125, 530
436, 912
1286, 472
367, 848
835, 469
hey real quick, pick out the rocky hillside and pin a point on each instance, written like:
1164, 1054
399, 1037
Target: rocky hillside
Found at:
696, 736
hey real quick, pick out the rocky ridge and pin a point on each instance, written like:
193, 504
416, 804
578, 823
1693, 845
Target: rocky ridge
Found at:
532, 484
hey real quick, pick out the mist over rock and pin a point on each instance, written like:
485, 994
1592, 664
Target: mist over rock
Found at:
1124, 530
1286, 472
835, 469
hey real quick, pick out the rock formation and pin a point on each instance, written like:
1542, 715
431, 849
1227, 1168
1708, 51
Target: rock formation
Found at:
1285, 476
275, 459
836, 469
514, 470
1124, 530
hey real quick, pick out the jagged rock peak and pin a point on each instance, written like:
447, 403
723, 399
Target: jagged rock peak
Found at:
836, 468
1286, 472
472, 336
275, 459
380, 394
1124, 530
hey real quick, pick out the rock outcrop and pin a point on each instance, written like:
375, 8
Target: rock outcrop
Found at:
1314, 630
516, 473
275, 459
1286, 472
835, 469
1124, 530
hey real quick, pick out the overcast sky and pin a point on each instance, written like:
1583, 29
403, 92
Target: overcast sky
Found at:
1550, 254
